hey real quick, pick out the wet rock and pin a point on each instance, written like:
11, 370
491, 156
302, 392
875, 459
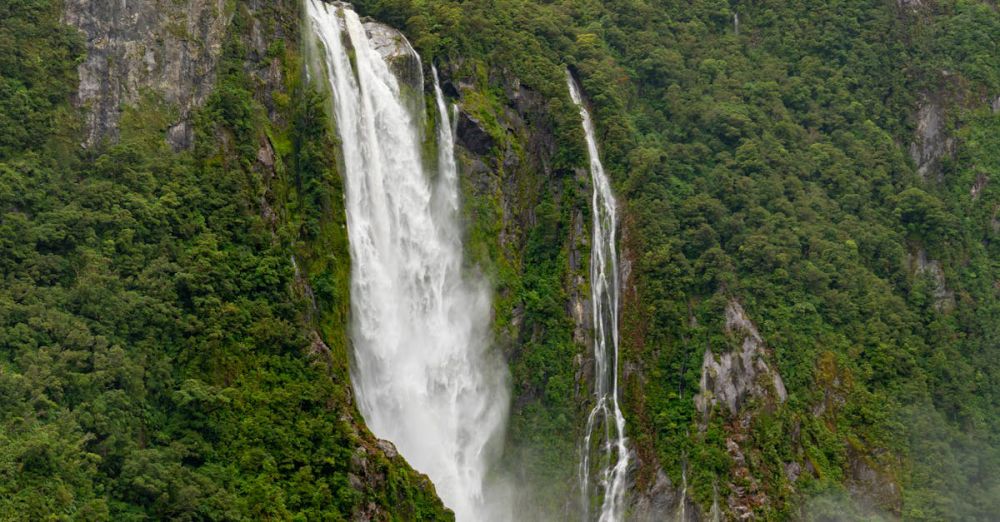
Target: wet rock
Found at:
265, 154
449, 89
397, 52
524, 100
265, 168
472, 135
579, 305
180, 136
662, 501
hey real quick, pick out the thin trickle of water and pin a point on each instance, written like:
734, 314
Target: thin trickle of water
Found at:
606, 416
682, 506
422, 368
715, 514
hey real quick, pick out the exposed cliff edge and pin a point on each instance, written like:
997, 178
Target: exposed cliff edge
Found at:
168, 49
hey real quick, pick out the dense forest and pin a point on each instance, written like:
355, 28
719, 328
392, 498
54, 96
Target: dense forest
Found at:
174, 339
160, 358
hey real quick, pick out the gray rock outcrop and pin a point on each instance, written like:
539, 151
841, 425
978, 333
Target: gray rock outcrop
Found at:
168, 49
739, 375
664, 501
931, 142
911, 5
397, 52
921, 265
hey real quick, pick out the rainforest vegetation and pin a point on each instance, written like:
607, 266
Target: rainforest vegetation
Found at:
154, 342
162, 357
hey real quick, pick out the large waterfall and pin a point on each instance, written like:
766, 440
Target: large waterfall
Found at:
423, 372
605, 421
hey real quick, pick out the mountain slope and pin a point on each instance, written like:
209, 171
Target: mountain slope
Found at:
810, 312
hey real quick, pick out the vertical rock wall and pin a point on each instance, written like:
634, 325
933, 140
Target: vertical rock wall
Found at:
165, 48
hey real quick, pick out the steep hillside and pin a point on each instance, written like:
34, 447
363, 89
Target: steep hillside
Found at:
806, 191
172, 334
811, 299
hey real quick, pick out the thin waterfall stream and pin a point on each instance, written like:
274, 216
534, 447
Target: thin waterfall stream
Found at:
423, 370
605, 420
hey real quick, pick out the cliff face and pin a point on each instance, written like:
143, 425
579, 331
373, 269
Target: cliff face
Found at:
740, 375
164, 48
931, 143
225, 80
527, 212
526, 229
764, 186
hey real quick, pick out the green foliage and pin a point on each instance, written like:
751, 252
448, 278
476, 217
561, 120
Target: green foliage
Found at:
38, 58
771, 166
158, 355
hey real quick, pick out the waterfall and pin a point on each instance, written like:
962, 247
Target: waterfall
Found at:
606, 416
715, 514
682, 505
423, 371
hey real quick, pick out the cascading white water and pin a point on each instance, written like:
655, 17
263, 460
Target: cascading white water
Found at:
606, 416
423, 372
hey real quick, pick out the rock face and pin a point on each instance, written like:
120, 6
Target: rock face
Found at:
169, 49
733, 380
472, 135
912, 5
978, 185
664, 501
920, 265
871, 487
397, 52
931, 142
739, 375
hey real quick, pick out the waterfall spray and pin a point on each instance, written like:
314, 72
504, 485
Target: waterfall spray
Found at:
422, 369
606, 416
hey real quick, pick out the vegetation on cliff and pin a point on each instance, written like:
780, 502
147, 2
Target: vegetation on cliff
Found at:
771, 153
827, 165
160, 357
